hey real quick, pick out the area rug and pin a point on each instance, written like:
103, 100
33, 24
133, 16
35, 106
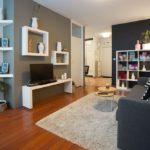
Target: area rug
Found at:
83, 124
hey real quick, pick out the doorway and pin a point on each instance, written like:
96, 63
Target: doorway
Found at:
98, 56
77, 53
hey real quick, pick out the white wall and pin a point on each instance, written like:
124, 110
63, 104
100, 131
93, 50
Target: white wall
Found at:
1, 3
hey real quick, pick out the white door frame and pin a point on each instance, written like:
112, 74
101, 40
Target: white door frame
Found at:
82, 52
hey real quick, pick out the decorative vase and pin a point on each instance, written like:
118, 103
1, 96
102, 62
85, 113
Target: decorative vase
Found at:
146, 46
41, 48
1, 14
132, 76
62, 76
65, 75
107, 85
138, 45
144, 68
59, 46
34, 22
122, 85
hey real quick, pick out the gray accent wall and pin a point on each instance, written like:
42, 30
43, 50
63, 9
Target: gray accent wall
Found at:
59, 30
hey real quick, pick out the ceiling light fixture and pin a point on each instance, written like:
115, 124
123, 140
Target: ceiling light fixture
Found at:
105, 34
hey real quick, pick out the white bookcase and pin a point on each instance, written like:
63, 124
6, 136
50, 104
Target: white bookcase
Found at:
59, 58
30, 39
4, 23
130, 65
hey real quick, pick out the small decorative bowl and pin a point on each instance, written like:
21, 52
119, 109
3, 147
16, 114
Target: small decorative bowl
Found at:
107, 86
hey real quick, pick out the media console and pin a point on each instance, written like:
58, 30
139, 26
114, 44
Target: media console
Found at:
27, 91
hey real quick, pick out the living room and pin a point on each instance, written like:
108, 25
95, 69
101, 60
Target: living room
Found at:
29, 104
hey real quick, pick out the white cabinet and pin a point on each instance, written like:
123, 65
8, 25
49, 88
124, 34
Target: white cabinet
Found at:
130, 65
3, 24
30, 39
27, 92
59, 58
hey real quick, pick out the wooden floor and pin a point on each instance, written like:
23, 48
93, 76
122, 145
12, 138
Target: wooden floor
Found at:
19, 132
97, 81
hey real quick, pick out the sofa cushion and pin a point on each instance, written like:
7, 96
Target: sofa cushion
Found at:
136, 92
147, 85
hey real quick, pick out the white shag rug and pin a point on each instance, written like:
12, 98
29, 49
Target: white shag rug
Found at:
81, 123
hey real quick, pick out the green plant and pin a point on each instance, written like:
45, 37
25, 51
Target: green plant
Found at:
73, 83
145, 37
3, 86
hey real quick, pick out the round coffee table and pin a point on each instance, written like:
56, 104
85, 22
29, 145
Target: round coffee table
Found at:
107, 92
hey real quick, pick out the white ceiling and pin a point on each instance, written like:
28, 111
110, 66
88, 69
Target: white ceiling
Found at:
98, 15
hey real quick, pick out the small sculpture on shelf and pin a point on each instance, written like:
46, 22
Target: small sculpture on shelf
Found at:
132, 56
41, 47
64, 76
4, 42
122, 56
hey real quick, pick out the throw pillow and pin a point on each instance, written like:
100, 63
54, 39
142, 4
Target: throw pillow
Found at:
147, 85
146, 95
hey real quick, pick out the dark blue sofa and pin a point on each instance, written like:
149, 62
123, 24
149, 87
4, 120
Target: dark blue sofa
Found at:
133, 116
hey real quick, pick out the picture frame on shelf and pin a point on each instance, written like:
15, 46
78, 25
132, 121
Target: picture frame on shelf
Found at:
5, 68
0, 68
4, 42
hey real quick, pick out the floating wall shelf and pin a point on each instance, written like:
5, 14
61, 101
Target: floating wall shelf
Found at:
30, 39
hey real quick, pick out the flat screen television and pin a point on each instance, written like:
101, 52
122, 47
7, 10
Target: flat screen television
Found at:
41, 73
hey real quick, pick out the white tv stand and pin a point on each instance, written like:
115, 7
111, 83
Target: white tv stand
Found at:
27, 91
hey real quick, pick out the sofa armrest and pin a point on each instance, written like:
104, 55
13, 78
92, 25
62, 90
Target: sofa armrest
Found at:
133, 124
142, 80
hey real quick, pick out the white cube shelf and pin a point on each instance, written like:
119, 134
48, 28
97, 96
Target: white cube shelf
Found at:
5, 22
44, 35
60, 58
6, 75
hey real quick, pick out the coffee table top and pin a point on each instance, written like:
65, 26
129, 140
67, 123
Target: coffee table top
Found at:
104, 89
106, 92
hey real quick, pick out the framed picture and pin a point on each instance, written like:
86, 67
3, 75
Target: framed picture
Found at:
5, 68
4, 42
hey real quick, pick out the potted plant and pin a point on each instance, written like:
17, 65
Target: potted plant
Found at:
73, 87
3, 103
145, 39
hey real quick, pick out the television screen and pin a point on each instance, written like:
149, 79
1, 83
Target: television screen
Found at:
41, 73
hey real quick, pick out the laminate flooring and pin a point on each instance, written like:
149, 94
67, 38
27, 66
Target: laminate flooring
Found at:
19, 132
